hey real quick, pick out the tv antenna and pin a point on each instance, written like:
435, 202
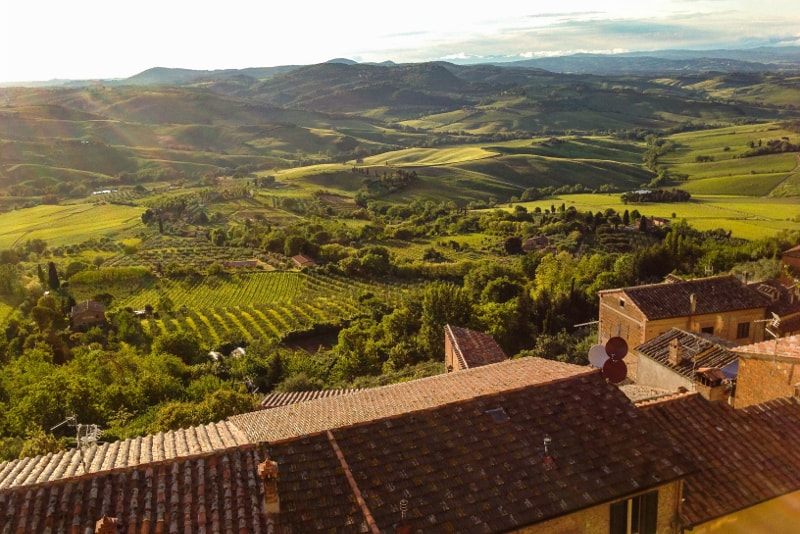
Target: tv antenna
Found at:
250, 384
85, 435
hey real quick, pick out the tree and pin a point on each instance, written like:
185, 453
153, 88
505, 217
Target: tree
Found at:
182, 344
442, 303
513, 245
52, 276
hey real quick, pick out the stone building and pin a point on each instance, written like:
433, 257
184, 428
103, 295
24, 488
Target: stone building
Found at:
722, 306
768, 370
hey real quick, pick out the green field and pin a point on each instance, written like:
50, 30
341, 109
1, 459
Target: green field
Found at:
64, 225
745, 217
431, 156
729, 173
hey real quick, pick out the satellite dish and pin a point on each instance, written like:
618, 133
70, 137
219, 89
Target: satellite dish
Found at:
615, 371
598, 356
616, 348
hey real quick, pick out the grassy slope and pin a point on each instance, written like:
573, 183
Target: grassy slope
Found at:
729, 173
64, 225
746, 217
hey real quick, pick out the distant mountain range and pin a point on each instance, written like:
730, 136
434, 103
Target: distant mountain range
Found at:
763, 59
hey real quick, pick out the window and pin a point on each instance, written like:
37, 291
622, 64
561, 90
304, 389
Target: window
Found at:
743, 330
621, 303
638, 515
707, 330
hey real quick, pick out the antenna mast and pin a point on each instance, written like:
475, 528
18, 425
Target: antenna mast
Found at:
85, 435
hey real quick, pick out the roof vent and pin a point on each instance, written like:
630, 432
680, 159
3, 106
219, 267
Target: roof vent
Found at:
403, 527
499, 415
547, 459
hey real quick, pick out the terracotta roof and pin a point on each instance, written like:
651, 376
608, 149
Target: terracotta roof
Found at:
119, 454
703, 351
375, 403
783, 302
744, 457
474, 348
213, 493
273, 400
302, 260
474, 464
784, 347
712, 295
88, 305
479, 465
794, 252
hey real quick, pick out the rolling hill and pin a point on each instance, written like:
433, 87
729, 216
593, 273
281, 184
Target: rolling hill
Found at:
171, 124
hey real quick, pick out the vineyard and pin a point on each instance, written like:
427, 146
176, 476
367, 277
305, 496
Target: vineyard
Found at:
249, 306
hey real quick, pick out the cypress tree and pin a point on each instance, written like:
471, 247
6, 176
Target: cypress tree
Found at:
52, 276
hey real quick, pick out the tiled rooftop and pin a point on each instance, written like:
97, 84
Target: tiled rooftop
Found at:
478, 465
793, 252
217, 492
782, 301
465, 450
712, 295
273, 400
474, 348
705, 351
784, 347
744, 457
376, 403
119, 454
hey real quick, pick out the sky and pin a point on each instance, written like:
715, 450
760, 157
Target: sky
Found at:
89, 39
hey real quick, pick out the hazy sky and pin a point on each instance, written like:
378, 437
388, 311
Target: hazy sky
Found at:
79, 39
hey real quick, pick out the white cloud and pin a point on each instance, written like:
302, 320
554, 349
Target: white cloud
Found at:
44, 39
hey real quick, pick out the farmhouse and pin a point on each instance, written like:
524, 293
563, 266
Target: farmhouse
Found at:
301, 260
87, 313
535, 243
240, 264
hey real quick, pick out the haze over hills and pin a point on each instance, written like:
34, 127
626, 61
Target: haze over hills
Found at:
761, 59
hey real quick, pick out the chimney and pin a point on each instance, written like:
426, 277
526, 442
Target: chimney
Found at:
692, 304
268, 472
675, 352
106, 525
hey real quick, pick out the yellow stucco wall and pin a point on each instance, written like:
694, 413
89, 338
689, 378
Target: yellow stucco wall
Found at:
596, 520
776, 516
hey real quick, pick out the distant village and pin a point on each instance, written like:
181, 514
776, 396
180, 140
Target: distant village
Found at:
686, 420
